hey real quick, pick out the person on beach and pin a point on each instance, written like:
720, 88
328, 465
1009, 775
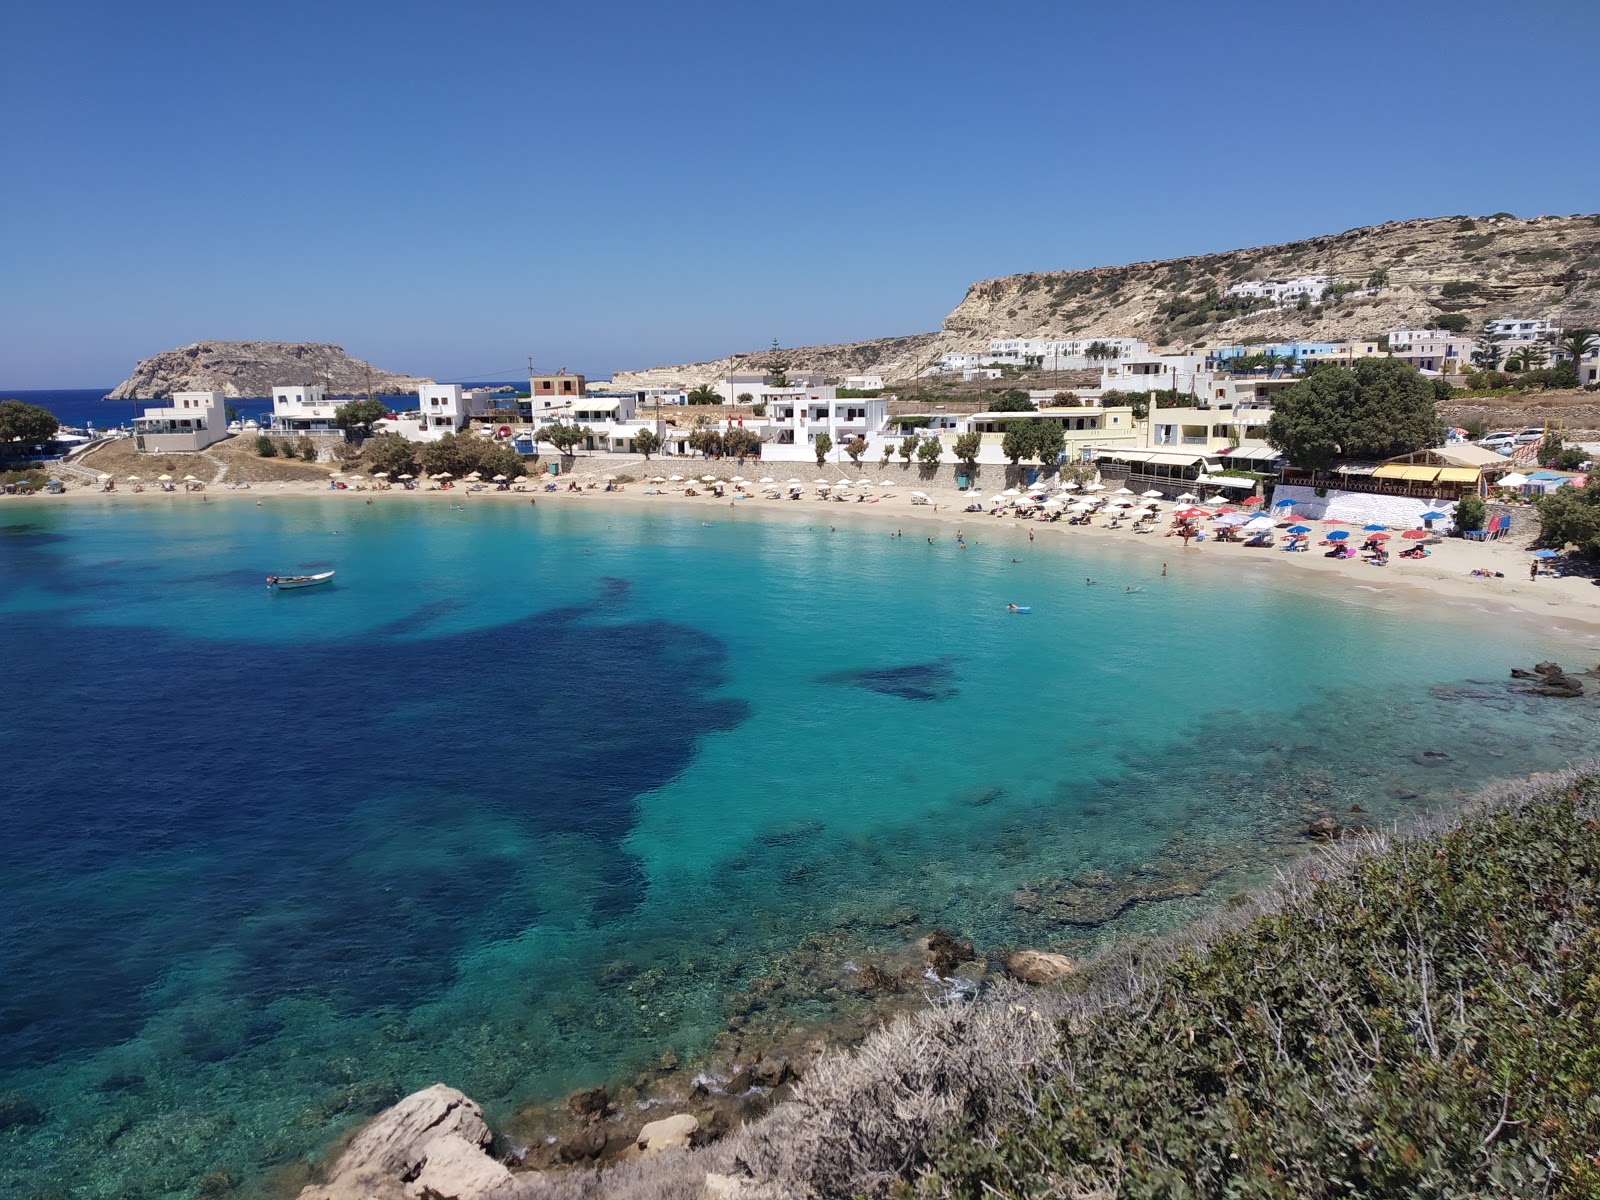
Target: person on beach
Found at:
1163, 570
1030, 535
1533, 569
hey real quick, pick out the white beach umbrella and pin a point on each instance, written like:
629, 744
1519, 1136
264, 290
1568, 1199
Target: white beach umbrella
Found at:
659, 479
819, 481
887, 483
843, 483
408, 477
738, 479
920, 495
1082, 506
767, 479
1188, 498
1011, 492
1152, 494
1053, 504
708, 479
998, 498
794, 481
1068, 485
380, 474
675, 478
104, 478
135, 479
499, 478
1095, 487
1123, 491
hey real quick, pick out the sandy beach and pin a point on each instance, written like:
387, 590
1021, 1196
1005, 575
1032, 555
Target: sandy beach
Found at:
1444, 577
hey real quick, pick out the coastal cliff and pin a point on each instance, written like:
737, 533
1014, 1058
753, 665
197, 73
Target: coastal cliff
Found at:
1400, 275
239, 369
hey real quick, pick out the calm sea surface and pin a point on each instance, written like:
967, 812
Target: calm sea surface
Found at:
271, 861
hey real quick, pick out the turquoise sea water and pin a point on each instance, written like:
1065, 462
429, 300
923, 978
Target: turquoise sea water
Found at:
531, 796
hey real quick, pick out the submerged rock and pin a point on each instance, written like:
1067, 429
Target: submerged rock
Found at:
946, 952
590, 1102
17, 1110
1038, 966
915, 681
1325, 829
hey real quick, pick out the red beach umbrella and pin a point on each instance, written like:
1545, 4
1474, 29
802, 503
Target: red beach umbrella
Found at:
1414, 535
1380, 537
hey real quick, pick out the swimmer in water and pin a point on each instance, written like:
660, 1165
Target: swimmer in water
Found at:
1011, 608
1088, 582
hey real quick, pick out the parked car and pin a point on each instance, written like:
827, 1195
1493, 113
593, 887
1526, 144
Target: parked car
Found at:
1529, 436
1502, 441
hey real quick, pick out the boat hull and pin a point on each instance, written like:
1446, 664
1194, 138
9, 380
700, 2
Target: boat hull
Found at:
288, 583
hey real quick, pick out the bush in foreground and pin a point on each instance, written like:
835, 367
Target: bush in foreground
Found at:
1422, 1019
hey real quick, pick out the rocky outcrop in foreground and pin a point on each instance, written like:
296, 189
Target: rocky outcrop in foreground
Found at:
430, 1146
238, 369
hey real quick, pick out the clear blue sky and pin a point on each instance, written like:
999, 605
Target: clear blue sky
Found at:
447, 188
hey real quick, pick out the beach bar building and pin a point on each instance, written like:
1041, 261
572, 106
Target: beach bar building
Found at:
191, 422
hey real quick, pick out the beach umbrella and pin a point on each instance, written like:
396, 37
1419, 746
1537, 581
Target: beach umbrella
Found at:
887, 483
659, 479
134, 479
767, 479
1188, 497
675, 478
1053, 504
1414, 535
603, 478
499, 478
1380, 537
1372, 528
474, 475
920, 495
1434, 516
1546, 554
104, 478
444, 475
380, 474
1284, 503
1152, 494
1011, 492
1122, 491
793, 481
998, 498
708, 479
738, 479
1299, 529
1338, 535
408, 477
843, 483
190, 479
819, 481
163, 478
1095, 487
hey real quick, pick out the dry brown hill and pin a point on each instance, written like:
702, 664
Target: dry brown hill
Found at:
1401, 274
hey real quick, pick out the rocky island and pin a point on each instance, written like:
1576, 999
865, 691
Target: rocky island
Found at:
242, 369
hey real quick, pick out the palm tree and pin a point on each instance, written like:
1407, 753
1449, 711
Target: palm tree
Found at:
1578, 343
705, 394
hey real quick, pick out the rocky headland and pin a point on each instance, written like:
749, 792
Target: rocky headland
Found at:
1402, 274
247, 369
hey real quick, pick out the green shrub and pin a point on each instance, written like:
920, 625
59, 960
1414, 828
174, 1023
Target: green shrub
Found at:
265, 446
286, 448
1454, 322
1423, 1020
306, 448
1470, 513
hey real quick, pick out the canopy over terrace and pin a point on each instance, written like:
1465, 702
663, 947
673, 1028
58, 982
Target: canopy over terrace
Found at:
1162, 468
1441, 473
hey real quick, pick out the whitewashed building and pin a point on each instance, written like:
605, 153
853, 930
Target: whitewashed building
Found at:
442, 408
1152, 373
1435, 350
863, 383
302, 408
1282, 291
191, 421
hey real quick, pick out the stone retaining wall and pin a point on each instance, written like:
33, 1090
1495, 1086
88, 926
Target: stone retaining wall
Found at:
907, 476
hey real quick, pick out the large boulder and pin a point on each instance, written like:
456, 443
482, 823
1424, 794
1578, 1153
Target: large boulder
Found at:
396, 1152
669, 1133
1038, 966
455, 1169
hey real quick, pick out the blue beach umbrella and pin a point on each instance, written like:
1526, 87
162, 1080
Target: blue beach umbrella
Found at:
1299, 529
1284, 503
1434, 516
1338, 535
1372, 528
1546, 554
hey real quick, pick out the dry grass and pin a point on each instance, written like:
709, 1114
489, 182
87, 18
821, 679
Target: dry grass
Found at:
119, 458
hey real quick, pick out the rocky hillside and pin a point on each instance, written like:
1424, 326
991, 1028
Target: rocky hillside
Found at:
254, 368
1402, 274
893, 358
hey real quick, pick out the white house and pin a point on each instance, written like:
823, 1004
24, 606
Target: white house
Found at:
302, 408
1282, 291
1518, 329
193, 421
442, 408
1074, 354
793, 423
863, 383
956, 360
1436, 350
1153, 373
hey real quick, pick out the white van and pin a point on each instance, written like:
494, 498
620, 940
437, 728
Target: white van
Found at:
1502, 441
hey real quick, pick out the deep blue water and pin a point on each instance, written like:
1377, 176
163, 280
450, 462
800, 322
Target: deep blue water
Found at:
273, 860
